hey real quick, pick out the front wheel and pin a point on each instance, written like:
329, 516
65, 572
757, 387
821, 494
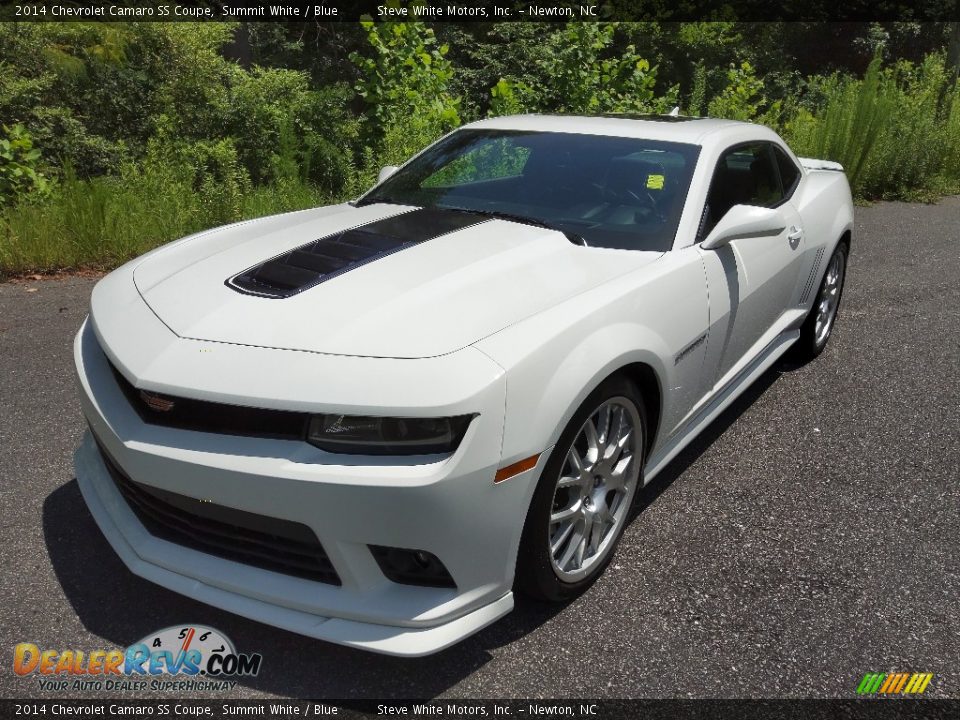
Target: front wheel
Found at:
582, 503
818, 326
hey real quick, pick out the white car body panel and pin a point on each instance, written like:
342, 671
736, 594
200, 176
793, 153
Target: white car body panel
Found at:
508, 322
563, 341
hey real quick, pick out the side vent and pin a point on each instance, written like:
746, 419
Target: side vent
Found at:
309, 265
813, 276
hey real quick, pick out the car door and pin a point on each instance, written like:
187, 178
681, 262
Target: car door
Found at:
751, 280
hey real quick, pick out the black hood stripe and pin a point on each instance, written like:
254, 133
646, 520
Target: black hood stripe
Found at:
301, 268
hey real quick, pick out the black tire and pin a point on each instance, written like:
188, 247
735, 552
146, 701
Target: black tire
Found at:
535, 574
810, 344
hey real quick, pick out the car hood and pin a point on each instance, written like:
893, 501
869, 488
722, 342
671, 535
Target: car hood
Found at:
428, 298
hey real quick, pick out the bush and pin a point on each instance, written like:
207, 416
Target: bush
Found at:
951, 147
896, 131
20, 178
588, 74
743, 98
89, 93
284, 130
585, 71
403, 84
209, 170
908, 157
511, 97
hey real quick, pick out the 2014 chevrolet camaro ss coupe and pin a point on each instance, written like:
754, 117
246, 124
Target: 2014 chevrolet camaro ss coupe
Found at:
370, 423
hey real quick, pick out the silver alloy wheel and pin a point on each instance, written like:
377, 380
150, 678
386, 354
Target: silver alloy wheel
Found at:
595, 489
829, 298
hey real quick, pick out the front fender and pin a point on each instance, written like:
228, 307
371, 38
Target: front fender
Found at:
542, 396
555, 359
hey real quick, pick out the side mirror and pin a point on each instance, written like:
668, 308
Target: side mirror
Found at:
385, 172
744, 221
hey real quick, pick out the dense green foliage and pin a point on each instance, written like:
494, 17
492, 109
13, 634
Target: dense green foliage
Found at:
403, 81
117, 137
895, 131
19, 177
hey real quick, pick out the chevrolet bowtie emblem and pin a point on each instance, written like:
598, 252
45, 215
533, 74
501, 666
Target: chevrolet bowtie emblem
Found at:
155, 402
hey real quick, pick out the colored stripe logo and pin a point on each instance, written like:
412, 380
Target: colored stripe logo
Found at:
894, 683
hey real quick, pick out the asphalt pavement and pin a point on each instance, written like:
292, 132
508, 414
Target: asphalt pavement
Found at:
811, 535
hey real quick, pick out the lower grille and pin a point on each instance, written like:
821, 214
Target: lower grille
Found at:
270, 543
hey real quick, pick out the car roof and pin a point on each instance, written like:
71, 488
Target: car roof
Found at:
649, 127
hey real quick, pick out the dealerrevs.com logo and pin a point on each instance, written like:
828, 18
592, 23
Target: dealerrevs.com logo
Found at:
898, 683
200, 657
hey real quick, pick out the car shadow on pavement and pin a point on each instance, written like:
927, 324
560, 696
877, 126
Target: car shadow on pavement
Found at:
676, 467
116, 605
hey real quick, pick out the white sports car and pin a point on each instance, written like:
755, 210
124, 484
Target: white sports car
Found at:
370, 423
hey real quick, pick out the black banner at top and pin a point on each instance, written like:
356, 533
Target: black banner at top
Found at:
478, 10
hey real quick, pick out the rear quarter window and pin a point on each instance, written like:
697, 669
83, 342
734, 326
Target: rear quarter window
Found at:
789, 172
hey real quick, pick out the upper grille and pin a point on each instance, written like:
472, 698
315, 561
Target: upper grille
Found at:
282, 546
311, 264
212, 417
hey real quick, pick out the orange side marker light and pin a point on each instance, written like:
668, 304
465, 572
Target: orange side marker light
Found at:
505, 473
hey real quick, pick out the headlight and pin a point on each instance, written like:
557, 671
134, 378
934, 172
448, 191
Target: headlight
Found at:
359, 435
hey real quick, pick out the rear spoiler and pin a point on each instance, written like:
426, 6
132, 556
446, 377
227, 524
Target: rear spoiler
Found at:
813, 164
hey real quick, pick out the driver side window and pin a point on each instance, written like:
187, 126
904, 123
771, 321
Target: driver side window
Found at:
745, 175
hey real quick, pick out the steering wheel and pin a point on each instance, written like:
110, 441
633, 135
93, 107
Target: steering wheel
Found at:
626, 196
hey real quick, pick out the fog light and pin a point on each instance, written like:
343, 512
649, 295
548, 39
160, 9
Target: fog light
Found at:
412, 567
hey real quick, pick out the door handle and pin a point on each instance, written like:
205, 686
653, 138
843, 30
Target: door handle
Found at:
794, 235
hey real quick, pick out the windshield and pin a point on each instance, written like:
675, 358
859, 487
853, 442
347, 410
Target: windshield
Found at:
604, 191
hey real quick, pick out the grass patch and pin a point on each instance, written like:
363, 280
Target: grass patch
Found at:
103, 222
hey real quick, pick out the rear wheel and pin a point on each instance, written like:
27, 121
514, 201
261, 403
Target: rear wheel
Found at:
582, 503
817, 328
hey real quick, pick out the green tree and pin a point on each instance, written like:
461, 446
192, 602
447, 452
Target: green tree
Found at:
589, 75
404, 79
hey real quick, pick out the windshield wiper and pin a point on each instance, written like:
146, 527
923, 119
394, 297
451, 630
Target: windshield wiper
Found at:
523, 219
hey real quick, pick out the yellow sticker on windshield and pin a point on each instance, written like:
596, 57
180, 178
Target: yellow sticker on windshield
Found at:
654, 182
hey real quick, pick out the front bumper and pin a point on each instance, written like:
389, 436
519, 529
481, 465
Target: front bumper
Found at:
153, 559
448, 506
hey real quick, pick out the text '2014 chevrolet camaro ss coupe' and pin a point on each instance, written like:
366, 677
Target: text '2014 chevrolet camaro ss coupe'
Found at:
371, 423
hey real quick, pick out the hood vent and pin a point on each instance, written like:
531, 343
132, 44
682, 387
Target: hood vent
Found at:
309, 265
